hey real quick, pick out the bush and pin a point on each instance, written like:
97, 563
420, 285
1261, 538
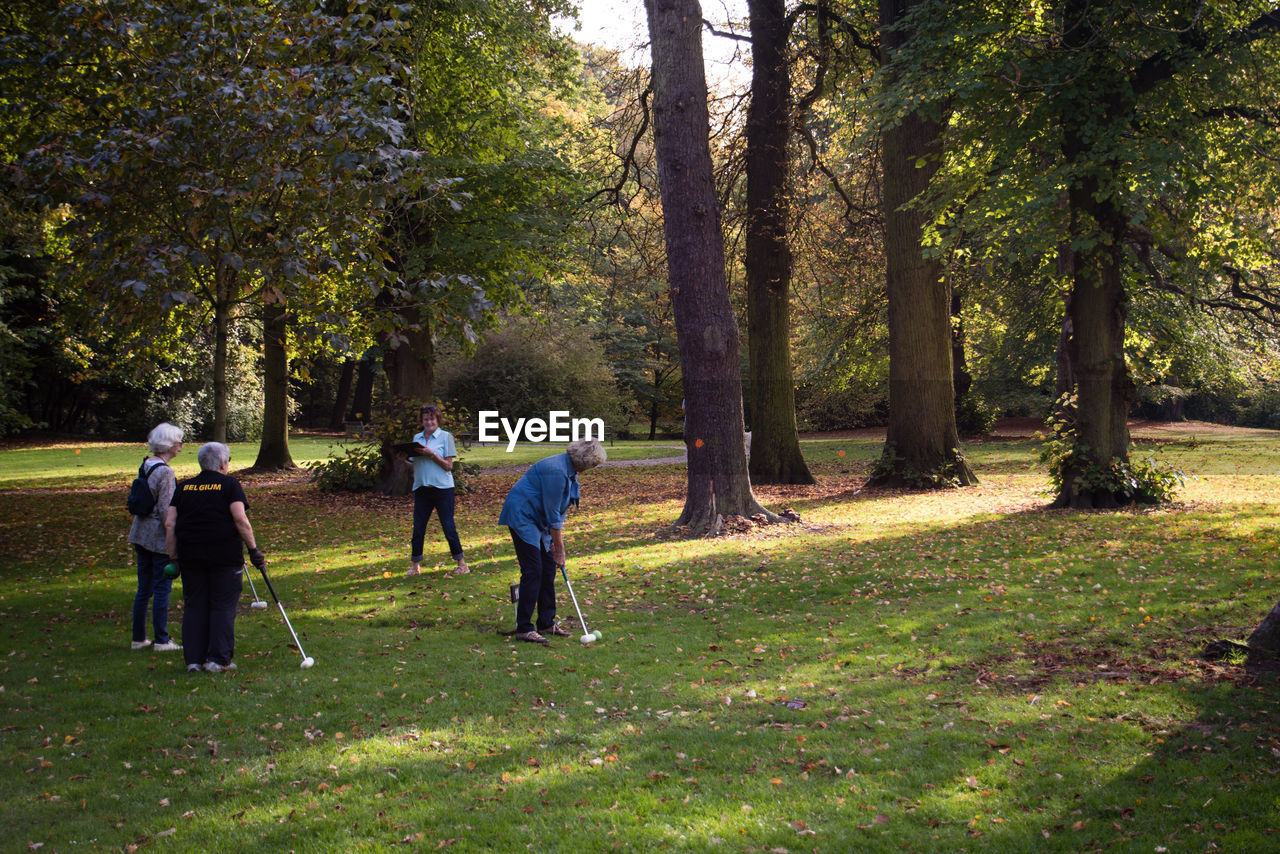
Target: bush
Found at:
1143, 481
360, 467
974, 416
529, 369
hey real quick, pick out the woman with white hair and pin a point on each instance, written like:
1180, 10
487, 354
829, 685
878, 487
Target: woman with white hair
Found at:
206, 525
146, 534
534, 511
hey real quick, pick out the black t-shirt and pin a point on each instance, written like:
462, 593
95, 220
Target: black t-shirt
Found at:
205, 530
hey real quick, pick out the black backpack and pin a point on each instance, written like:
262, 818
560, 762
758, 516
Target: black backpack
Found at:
142, 500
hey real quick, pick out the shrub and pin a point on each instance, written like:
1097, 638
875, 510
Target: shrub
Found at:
974, 416
360, 466
1143, 481
529, 369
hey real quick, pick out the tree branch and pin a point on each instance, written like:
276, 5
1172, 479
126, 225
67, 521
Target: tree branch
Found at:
629, 159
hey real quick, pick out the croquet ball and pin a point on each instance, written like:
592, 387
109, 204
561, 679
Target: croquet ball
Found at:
171, 570
597, 634
307, 662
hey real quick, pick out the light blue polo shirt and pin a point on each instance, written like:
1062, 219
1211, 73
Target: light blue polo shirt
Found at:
540, 499
428, 472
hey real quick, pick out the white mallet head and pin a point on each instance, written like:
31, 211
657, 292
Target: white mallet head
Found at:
587, 638
260, 605
307, 662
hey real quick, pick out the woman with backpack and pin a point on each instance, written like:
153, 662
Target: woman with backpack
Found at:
147, 535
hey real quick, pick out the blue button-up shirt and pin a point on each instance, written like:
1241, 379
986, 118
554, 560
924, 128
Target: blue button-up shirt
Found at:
428, 472
540, 499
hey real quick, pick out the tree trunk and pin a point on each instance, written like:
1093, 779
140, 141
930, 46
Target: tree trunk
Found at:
1097, 305
1096, 311
221, 326
775, 445
1267, 634
922, 443
342, 400
409, 359
362, 401
273, 451
718, 483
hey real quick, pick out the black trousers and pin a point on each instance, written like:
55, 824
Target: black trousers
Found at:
537, 586
209, 597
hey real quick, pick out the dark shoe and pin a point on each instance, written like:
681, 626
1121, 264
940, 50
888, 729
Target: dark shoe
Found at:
558, 631
530, 637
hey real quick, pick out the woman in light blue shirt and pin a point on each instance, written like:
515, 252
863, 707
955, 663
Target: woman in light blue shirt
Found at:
534, 512
433, 488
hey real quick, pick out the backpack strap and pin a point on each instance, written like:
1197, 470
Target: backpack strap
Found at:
147, 475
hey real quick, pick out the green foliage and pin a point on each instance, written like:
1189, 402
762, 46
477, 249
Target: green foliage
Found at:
1142, 481
529, 369
1261, 407
974, 415
360, 467
355, 471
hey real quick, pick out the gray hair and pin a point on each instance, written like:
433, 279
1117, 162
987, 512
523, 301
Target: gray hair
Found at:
213, 456
586, 454
163, 437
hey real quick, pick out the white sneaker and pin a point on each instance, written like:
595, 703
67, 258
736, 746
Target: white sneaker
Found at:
215, 667
194, 668
167, 646
142, 644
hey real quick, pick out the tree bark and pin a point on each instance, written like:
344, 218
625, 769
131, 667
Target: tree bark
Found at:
409, 359
921, 443
775, 445
273, 450
223, 300
1267, 635
362, 401
718, 483
342, 400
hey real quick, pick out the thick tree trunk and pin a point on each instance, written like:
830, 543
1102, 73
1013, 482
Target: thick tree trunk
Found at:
342, 400
1267, 635
273, 451
1097, 310
921, 443
775, 441
362, 401
718, 484
409, 360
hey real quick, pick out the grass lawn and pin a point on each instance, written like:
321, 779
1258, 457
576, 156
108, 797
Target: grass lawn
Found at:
954, 671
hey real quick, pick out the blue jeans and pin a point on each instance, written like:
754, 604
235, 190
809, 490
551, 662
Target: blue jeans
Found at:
537, 585
209, 597
426, 499
153, 587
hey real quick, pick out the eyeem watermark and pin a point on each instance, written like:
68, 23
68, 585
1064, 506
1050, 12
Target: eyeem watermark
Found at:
558, 427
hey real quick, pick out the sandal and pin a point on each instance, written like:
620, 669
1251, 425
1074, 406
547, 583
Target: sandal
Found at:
530, 637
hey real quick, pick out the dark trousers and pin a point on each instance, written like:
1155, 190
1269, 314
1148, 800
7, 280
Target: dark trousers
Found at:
537, 585
209, 596
426, 499
153, 588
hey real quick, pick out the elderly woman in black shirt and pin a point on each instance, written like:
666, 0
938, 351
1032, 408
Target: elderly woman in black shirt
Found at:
205, 527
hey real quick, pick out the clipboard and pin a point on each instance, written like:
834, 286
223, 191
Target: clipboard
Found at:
410, 448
